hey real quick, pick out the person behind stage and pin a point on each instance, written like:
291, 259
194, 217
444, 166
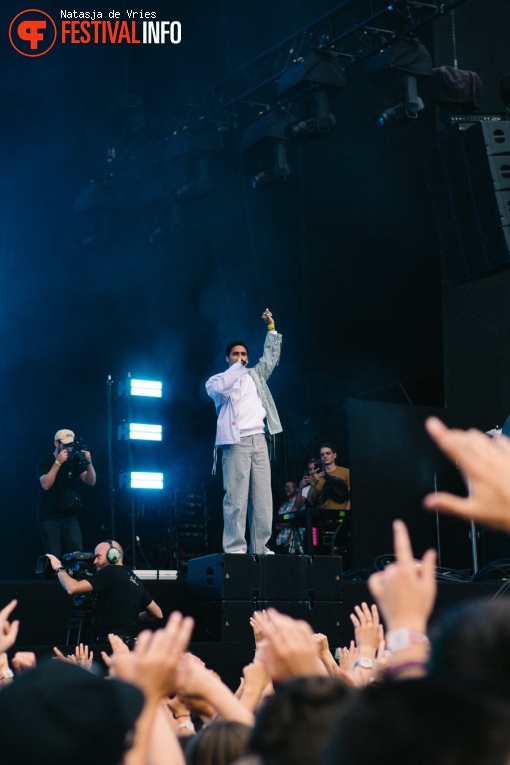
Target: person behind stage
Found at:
57, 499
331, 490
243, 405
122, 600
308, 480
288, 538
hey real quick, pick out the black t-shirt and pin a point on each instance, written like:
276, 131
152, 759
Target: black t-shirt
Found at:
120, 598
61, 500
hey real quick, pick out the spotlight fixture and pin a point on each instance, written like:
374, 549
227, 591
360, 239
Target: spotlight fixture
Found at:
191, 154
280, 170
398, 68
200, 181
316, 124
264, 145
402, 111
308, 86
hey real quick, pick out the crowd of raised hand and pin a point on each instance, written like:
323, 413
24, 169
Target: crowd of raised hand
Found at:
394, 695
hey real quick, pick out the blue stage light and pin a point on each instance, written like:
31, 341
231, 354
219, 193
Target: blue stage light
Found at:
140, 480
152, 388
140, 432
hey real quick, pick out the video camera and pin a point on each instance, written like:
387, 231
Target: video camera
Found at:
77, 456
79, 565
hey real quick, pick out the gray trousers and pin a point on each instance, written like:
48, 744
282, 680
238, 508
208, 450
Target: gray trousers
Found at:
247, 485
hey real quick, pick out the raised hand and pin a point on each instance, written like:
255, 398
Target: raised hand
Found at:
8, 630
405, 590
484, 463
289, 647
267, 316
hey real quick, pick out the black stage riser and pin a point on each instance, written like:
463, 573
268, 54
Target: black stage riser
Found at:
230, 619
44, 609
267, 577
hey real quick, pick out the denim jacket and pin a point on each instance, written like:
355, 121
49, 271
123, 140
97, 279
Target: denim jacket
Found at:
219, 387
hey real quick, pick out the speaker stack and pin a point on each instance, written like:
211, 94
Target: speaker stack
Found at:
473, 199
231, 587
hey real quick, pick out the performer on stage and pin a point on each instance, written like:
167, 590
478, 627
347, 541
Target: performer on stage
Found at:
246, 411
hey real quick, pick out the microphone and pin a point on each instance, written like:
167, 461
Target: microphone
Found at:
243, 362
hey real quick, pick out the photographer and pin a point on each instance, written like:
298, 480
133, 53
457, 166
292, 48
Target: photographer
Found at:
331, 488
122, 600
57, 499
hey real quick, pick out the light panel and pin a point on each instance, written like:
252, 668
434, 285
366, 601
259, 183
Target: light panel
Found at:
143, 432
146, 480
153, 388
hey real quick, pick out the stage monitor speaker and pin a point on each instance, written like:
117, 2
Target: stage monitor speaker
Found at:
266, 577
225, 577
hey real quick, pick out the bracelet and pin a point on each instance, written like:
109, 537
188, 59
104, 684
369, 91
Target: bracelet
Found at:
392, 672
364, 664
397, 640
179, 716
270, 327
58, 463
59, 569
7, 674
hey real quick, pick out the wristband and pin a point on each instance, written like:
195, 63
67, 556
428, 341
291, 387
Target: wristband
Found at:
179, 716
58, 463
397, 640
59, 569
7, 674
270, 327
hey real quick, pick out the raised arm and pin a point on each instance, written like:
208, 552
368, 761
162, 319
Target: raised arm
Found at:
89, 475
272, 348
405, 592
48, 479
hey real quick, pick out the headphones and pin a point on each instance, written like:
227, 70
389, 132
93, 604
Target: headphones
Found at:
113, 555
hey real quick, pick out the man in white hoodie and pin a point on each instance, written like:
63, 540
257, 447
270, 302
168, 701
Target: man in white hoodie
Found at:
246, 411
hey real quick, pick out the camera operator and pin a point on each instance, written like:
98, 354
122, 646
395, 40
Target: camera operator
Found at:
122, 600
57, 499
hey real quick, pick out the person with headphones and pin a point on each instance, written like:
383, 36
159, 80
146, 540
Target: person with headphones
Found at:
122, 600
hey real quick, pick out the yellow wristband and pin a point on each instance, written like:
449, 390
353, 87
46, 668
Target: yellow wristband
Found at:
270, 327
58, 463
